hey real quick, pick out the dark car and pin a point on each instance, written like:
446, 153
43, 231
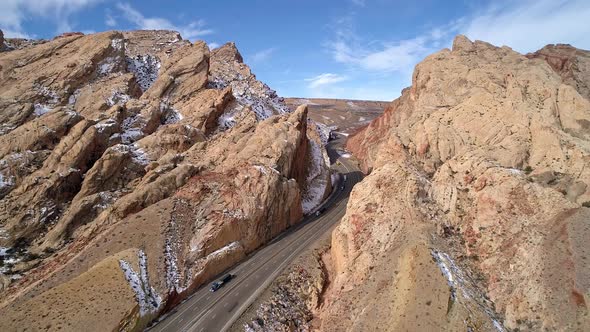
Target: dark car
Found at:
218, 284
215, 286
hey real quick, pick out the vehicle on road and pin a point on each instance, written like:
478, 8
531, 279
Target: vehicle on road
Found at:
218, 284
320, 211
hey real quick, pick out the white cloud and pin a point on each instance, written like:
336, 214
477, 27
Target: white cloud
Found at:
110, 21
262, 55
190, 31
360, 3
14, 13
525, 26
381, 56
529, 25
324, 80
213, 45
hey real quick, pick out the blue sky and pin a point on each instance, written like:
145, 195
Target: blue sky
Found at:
357, 49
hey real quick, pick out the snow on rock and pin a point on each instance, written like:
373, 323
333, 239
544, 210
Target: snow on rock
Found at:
106, 124
170, 115
261, 169
247, 91
107, 66
74, 97
137, 154
316, 182
117, 44
4, 251
459, 280
224, 250
41, 109
132, 129
117, 97
352, 105
171, 259
228, 119
323, 130
145, 68
50, 99
6, 183
148, 299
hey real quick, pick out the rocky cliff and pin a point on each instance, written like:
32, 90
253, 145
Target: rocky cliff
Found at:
134, 167
475, 213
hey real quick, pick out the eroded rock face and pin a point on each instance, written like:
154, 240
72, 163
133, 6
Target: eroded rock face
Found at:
118, 171
479, 177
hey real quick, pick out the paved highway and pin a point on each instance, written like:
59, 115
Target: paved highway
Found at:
207, 311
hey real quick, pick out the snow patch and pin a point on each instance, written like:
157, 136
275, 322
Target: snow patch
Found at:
106, 124
138, 155
4, 251
170, 115
261, 99
117, 44
236, 214
132, 129
6, 182
41, 109
117, 97
224, 250
145, 68
107, 66
51, 99
316, 183
148, 299
351, 104
458, 280
324, 131
261, 169
74, 97
304, 102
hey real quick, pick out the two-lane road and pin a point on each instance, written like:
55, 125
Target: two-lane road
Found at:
207, 311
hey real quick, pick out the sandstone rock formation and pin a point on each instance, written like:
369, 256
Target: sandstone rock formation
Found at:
473, 215
134, 167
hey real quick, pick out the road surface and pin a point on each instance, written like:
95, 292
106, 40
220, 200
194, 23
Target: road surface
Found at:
207, 311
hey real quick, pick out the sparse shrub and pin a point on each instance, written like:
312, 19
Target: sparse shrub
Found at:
586, 204
528, 169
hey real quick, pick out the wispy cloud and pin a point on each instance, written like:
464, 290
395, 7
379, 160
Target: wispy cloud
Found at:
213, 45
360, 3
324, 80
14, 13
191, 31
529, 25
523, 25
262, 55
379, 56
110, 20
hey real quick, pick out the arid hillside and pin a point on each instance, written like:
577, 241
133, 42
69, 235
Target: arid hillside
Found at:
475, 215
345, 116
135, 166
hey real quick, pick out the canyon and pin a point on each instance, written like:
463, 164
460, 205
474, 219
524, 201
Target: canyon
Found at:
474, 214
136, 166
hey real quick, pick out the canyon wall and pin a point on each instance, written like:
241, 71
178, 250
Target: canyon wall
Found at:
475, 212
134, 167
